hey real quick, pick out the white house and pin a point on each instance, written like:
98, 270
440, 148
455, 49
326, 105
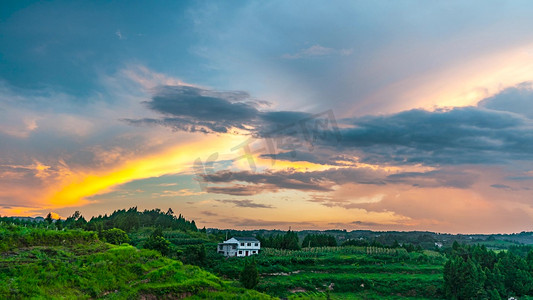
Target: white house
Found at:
239, 246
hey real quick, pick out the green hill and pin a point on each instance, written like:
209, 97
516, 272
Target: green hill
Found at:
49, 264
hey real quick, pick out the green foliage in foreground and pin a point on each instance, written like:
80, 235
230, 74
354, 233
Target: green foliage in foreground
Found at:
93, 269
249, 275
39, 260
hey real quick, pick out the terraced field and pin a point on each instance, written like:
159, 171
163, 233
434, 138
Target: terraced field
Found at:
351, 273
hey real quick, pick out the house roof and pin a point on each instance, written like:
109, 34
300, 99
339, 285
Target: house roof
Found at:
245, 239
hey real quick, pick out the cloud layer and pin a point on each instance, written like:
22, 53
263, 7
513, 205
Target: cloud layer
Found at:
404, 115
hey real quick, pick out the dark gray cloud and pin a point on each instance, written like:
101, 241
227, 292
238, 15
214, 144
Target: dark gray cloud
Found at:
467, 135
195, 109
490, 133
519, 178
323, 181
208, 213
317, 157
191, 102
496, 131
363, 223
267, 223
501, 186
237, 190
245, 203
8, 200
518, 99
263, 182
437, 178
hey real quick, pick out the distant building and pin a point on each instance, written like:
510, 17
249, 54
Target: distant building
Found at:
438, 244
239, 246
36, 219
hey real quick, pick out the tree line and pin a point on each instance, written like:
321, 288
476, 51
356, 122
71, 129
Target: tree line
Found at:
127, 220
474, 272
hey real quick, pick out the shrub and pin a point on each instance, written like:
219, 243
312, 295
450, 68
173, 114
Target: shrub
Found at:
114, 236
158, 243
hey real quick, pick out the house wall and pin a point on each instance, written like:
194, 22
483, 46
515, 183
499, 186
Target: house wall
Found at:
228, 250
233, 247
251, 251
249, 245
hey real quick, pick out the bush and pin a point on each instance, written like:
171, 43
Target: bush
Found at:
194, 255
114, 236
158, 243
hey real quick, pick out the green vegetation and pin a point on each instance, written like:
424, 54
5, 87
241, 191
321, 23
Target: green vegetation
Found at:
132, 219
158, 242
41, 263
319, 240
168, 257
249, 276
344, 272
473, 272
13, 237
114, 236
289, 240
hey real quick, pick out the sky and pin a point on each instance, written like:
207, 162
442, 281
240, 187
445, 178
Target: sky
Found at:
375, 115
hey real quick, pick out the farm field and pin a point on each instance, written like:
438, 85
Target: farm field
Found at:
346, 273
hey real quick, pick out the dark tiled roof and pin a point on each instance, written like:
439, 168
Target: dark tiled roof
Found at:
245, 239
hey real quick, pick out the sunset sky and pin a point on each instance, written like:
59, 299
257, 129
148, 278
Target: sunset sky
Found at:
380, 115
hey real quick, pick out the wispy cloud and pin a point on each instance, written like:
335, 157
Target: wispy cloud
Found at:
179, 193
209, 213
318, 51
119, 34
255, 223
246, 203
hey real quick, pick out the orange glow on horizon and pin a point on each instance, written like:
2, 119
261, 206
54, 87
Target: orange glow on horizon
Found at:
177, 159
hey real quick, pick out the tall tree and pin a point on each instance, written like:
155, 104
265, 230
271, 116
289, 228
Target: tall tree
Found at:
48, 218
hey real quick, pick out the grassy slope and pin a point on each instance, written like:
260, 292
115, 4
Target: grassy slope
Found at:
92, 269
74, 264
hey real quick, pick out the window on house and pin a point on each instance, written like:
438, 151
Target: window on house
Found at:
240, 252
249, 244
256, 244
242, 244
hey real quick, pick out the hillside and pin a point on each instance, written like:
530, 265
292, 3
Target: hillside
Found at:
153, 254
75, 264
